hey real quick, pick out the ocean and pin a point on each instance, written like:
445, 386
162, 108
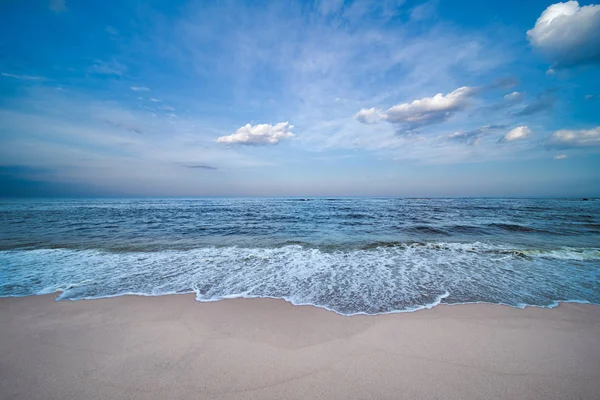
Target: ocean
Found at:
349, 255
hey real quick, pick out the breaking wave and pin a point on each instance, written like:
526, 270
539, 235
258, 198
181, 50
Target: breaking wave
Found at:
373, 279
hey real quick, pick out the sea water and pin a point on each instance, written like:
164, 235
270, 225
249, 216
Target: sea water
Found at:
349, 255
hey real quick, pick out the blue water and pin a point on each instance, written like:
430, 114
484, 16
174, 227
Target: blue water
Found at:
350, 255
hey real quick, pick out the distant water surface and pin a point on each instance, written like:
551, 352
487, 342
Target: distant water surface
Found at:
350, 255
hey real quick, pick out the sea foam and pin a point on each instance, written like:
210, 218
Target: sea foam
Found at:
383, 279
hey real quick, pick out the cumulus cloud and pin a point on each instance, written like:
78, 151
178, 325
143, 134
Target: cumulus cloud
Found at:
430, 109
568, 34
575, 138
520, 132
139, 89
426, 111
261, 134
560, 157
474, 136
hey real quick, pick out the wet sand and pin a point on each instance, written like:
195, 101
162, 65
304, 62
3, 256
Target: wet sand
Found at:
172, 347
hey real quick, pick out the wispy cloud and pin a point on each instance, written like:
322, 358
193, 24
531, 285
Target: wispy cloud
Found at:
111, 30
58, 6
201, 166
23, 77
474, 136
575, 138
424, 10
97, 142
544, 102
111, 67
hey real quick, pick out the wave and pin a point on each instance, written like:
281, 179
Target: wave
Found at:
426, 229
396, 277
513, 227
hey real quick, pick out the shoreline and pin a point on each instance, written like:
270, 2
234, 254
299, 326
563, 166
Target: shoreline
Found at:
429, 306
173, 346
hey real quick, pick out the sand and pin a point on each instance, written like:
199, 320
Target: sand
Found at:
172, 347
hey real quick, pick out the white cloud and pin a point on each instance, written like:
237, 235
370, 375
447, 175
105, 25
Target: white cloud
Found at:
140, 89
369, 116
260, 134
560, 157
520, 132
513, 97
426, 111
153, 99
430, 109
575, 138
23, 77
568, 34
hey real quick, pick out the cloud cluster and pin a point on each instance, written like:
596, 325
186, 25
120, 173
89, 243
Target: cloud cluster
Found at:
426, 111
261, 134
567, 34
575, 138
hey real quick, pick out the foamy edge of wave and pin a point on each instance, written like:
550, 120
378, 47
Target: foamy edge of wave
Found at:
428, 306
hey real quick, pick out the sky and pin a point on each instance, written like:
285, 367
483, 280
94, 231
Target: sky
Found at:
307, 98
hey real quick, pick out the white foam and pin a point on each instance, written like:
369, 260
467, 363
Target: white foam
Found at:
403, 278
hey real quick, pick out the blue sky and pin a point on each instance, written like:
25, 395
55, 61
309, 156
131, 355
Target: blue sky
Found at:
408, 98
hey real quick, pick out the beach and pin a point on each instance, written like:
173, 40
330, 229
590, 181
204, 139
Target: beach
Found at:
135, 347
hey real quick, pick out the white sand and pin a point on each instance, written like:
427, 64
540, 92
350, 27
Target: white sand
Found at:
172, 347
